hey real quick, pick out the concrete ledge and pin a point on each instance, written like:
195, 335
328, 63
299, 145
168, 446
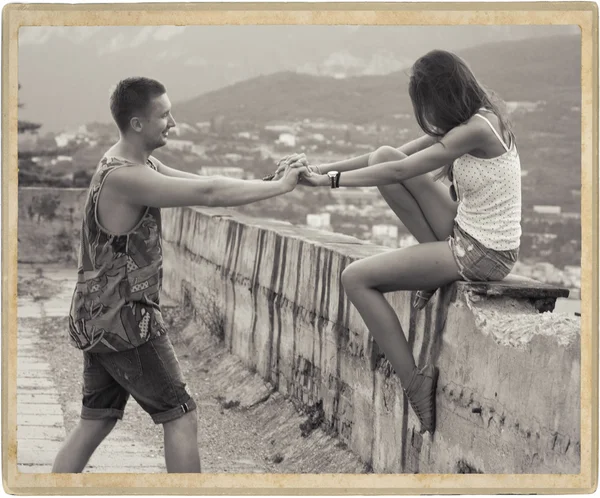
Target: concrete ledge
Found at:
508, 395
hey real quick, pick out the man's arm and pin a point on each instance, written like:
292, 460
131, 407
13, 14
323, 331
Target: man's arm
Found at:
142, 186
172, 172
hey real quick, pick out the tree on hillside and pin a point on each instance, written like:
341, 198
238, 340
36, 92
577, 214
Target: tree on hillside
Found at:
31, 173
25, 126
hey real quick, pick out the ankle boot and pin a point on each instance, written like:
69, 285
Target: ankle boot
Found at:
421, 298
420, 392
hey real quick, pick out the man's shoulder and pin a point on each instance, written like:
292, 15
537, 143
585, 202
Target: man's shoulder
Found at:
155, 163
109, 160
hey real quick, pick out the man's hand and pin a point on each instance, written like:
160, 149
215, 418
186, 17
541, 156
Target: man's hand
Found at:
291, 175
298, 160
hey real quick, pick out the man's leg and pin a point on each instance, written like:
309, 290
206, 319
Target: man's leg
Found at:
181, 444
81, 444
102, 405
161, 391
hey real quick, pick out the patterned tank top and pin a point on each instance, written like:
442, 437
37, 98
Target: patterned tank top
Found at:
115, 304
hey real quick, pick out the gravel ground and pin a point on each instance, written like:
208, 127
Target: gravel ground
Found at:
244, 427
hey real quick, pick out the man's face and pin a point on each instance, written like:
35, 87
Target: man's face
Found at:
156, 122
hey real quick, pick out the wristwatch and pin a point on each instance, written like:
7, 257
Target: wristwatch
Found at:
334, 176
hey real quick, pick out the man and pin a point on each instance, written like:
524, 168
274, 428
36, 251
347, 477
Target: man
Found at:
115, 313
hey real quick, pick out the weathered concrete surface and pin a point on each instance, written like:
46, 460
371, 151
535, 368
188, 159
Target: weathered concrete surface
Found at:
508, 394
276, 289
244, 425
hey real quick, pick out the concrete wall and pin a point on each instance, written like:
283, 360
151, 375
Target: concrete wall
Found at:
508, 394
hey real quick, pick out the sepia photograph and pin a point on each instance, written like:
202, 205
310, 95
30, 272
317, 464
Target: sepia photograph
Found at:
263, 249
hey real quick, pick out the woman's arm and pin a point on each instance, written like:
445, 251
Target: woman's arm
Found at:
457, 142
363, 161
417, 145
345, 165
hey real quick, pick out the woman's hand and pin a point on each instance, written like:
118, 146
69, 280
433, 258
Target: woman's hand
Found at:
311, 179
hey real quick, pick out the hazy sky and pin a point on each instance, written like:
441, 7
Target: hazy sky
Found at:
66, 73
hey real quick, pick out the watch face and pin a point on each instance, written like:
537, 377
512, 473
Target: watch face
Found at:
332, 174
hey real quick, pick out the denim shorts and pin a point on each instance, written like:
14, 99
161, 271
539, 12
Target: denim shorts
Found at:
477, 263
150, 373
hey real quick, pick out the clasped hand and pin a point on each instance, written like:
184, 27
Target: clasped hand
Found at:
309, 176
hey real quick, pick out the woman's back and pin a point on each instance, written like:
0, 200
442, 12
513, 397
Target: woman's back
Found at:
489, 191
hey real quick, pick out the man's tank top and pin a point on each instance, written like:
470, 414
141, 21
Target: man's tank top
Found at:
115, 304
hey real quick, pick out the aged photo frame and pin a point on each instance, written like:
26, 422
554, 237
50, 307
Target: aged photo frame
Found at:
339, 403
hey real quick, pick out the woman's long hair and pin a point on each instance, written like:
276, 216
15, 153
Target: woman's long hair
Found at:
445, 94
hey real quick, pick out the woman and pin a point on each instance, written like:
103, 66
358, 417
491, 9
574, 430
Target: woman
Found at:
469, 232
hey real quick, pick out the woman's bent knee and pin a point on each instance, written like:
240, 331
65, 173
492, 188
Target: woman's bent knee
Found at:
384, 154
351, 278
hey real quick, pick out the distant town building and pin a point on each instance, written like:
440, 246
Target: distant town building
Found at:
287, 139
546, 209
231, 156
358, 196
63, 139
385, 231
181, 128
406, 241
199, 150
321, 220
280, 128
385, 235
59, 159
182, 145
229, 171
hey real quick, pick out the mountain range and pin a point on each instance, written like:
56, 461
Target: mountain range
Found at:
66, 73
541, 69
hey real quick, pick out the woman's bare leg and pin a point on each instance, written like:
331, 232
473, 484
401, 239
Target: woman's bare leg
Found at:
423, 205
365, 282
428, 265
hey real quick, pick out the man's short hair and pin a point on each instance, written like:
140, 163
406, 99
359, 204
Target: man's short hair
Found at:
132, 96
